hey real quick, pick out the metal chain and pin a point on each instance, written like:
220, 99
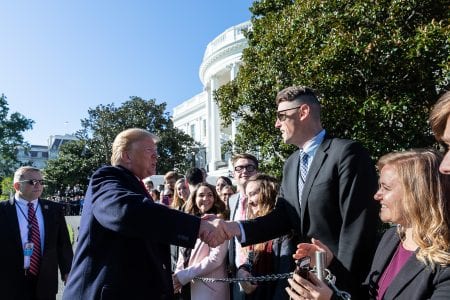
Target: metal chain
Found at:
270, 277
330, 279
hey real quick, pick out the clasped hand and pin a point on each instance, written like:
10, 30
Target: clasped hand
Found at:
214, 231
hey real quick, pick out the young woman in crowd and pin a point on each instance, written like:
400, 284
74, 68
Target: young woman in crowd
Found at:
180, 197
181, 194
221, 182
271, 257
203, 261
225, 193
412, 259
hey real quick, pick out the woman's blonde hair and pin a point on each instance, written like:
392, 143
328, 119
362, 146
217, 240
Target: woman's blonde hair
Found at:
267, 196
425, 202
178, 202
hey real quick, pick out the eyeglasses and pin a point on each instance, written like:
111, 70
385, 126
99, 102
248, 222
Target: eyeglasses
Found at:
281, 117
33, 182
249, 168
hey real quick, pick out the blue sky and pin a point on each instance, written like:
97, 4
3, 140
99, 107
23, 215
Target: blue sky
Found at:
60, 58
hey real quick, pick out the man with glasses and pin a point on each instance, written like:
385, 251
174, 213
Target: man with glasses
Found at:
34, 241
244, 166
326, 191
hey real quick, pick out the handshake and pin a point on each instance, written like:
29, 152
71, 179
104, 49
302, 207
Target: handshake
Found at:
214, 231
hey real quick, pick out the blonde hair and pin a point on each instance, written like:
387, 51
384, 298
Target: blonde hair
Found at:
425, 202
177, 201
125, 140
268, 191
439, 115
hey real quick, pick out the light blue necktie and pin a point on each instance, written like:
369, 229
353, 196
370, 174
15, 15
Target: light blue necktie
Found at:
303, 167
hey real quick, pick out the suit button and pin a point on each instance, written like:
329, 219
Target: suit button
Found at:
164, 266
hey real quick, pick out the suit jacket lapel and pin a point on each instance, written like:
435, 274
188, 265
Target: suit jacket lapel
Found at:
318, 160
382, 259
47, 218
406, 274
13, 223
293, 180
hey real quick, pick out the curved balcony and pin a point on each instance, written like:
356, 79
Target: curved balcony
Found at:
223, 50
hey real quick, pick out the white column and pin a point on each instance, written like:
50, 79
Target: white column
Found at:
233, 74
214, 130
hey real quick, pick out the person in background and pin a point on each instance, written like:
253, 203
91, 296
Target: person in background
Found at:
225, 193
179, 199
181, 194
155, 194
271, 257
440, 125
148, 184
245, 165
34, 241
202, 260
412, 260
167, 196
124, 237
205, 174
193, 177
221, 182
169, 179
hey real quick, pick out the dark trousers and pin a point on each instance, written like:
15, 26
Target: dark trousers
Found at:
29, 290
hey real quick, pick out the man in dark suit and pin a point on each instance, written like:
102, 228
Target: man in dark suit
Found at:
123, 249
326, 191
34, 241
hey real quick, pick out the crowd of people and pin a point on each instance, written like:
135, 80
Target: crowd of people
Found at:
140, 242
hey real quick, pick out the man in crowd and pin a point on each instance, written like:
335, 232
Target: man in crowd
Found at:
440, 124
244, 166
326, 192
193, 177
34, 241
124, 237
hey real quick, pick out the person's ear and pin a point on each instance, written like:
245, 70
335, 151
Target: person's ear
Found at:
304, 111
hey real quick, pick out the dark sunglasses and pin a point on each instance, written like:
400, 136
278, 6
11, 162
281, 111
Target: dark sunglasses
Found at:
281, 114
33, 182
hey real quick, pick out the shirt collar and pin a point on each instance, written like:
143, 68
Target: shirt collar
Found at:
311, 146
24, 202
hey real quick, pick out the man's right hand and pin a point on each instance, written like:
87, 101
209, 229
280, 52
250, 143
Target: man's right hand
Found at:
215, 231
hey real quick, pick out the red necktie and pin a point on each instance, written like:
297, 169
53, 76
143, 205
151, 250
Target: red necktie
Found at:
35, 239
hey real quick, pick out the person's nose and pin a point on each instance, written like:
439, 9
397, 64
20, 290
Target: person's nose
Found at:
444, 168
377, 196
277, 123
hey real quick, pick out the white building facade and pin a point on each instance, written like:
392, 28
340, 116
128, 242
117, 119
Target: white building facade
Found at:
199, 116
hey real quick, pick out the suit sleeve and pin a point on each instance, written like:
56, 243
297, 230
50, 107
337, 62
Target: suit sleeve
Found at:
119, 206
65, 252
274, 224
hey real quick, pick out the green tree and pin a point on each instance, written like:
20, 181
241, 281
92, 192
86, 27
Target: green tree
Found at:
379, 66
77, 160
7, 188
73, 166
11, 137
